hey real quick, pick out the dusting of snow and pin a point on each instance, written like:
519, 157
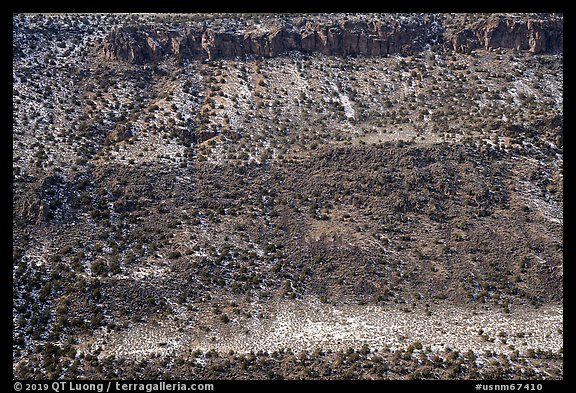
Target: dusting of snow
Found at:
308, 324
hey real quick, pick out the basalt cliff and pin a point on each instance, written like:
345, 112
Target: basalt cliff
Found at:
368, 36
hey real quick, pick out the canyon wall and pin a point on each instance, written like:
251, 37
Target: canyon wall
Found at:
332, 35
536, 36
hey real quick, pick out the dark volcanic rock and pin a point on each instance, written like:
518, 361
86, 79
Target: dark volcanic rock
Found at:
537, 36
336, 37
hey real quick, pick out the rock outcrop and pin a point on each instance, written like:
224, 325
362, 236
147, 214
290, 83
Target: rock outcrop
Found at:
372, 37
331, 35
537, 36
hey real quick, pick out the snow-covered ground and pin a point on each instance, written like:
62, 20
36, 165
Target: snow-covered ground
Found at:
308, 324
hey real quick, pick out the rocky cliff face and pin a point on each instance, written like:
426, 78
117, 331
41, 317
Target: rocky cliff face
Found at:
333, 36
371, 37
537, 36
